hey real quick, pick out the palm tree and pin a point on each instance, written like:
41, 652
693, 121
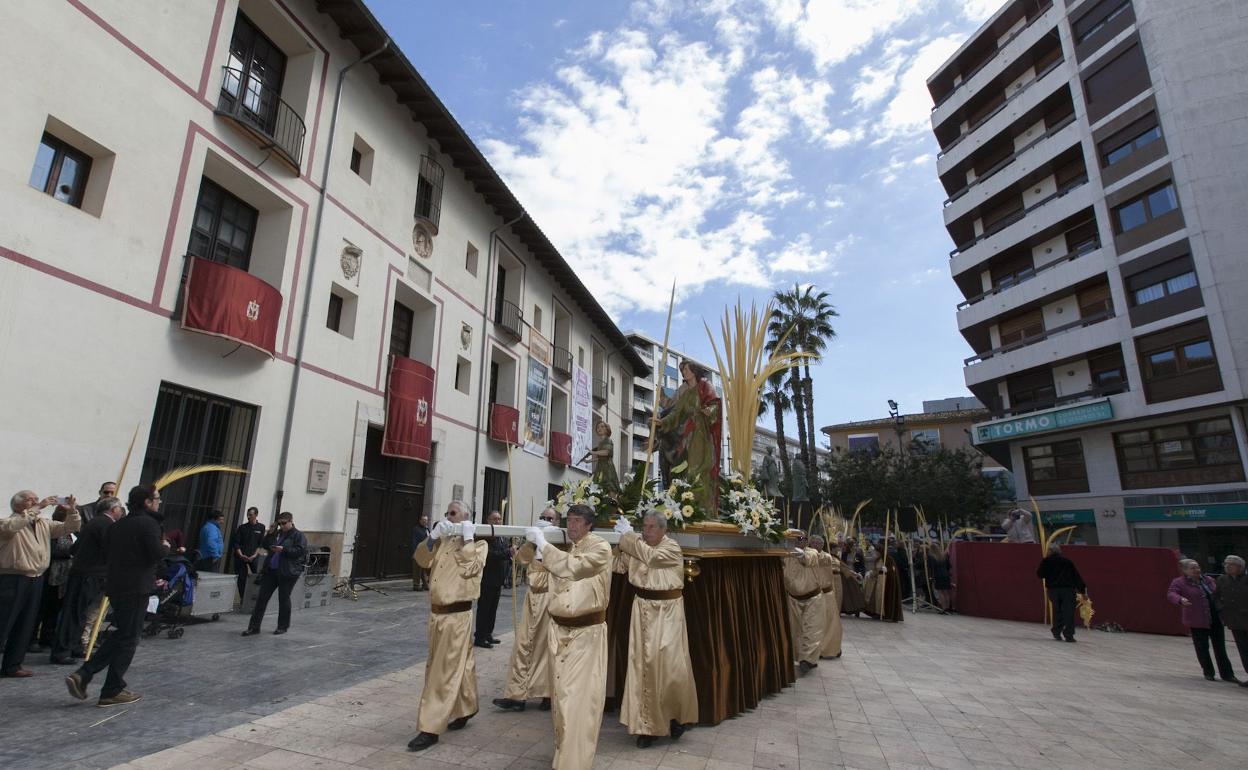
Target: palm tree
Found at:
778, 400
781, 325
816, 331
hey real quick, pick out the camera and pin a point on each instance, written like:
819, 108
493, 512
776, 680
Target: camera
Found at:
63, 500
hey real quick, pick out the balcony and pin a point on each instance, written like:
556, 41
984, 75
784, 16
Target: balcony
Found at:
561, 361
1059, 274
1054, 345
1037, 218
227, 302
1007, 52
510, 319
1042, 336
1052, 403
643, 405
560, 448
261, 112
600, 390
505, 424
1064, 135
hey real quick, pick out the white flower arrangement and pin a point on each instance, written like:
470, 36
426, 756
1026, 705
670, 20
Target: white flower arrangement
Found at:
676, 502
744, 505
583, 492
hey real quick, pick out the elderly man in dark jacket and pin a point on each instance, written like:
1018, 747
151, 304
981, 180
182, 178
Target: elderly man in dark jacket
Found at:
133, 549
288, 551
1062, 579
85, 586
1231, 596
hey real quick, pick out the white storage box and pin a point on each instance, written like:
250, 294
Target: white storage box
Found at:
214, 594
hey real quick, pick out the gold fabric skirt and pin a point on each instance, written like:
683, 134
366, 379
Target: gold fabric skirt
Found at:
528, 671
450, 673
579, 658
806, 619
832, 630
659, 686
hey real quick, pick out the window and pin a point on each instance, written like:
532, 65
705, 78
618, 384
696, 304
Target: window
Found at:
429, 191
224, 227
1145, 208
1139, 134
356, 160
1170, 277
1108, 373
334, 319
1095, 301
1057, 468
1022, 327
401, 329
470, 259
1012, 271
463, 374
537, 319
1179, 362
1198, 452
1032, 391
253, 77
864, 442
362, 159
1096, 19
1082, 238
1116, 83
60, 171
925, 439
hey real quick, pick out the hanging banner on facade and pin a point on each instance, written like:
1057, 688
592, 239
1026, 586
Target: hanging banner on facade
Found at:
227, 302
582, 418
409, 410
537, 393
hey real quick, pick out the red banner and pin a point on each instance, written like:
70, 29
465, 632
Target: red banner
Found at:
1127, 584
227, 302
409, 410
505, 424
560, 448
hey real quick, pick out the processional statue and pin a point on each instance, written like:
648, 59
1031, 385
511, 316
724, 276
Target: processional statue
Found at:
690, 428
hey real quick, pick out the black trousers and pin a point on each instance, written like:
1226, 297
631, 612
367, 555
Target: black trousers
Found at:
487, 611
1241, 642
19, 609
1063, 611
244, 571
1202, 638
81, 591
268, 584
118, 649
44, 632
208, 565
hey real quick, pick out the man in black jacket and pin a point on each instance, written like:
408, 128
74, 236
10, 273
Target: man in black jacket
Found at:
497, 563
288, 550
420, 575
133, 549
244, 544
1063, 581
86, 580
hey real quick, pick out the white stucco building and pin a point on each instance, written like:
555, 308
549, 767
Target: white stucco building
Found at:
221, 218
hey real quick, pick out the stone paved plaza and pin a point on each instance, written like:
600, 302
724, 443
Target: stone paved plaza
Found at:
942, 692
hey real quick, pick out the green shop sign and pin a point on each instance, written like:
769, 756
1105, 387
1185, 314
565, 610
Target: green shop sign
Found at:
1043, 422
1194, 513
1063, 518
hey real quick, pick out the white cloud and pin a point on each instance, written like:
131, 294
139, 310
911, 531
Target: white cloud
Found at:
978, 10
909, 111
800, 256
832, 31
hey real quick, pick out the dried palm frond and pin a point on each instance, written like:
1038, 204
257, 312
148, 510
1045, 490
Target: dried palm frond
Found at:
744, 367
126, 461
968, 531
177, 474
854, 526
1054, 535
1083, 604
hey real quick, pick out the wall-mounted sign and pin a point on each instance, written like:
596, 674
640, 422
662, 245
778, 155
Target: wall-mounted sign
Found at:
1043, 422
318, 476
1065, 518
1192, 513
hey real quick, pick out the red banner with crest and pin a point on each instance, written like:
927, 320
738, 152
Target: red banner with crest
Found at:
409, 410
227, 302
505, 423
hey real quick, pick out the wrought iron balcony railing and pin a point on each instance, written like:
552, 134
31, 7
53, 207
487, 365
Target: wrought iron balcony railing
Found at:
260, 110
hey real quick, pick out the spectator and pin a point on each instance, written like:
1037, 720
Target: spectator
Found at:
108, 490
1063, 581
133, 549
1018, 527
211, 543
287, 548
1193, 592
497, 565
54, 581
25, 550
85, 586
244, 544
420, 575
175, 541
1231, 599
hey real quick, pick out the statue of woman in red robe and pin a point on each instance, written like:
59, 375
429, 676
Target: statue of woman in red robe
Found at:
690, 433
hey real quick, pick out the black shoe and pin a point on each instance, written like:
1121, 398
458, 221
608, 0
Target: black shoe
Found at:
1231, 678
459, 724
495, 641
250, 632
1244, 683
483, 644
677, 730
509, 704
77, 685
644, 741
1070, 639
1057, 637
1211, 677
422, 742
545, 706
278, 631
62, 661
78, 654
805, 666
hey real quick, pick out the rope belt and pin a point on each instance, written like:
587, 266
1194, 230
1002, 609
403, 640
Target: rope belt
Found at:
658, 596
582, 621
827, 590
450, 609
810, 595
539, 590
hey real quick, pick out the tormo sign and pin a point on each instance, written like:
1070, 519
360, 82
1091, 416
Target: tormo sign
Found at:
1042, 422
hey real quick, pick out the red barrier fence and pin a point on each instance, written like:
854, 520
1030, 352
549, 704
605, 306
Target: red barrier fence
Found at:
1127, 585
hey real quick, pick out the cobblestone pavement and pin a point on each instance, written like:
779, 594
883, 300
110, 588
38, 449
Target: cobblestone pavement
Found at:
943, 692
212, 679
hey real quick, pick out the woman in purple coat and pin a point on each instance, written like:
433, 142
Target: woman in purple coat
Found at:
1194, 594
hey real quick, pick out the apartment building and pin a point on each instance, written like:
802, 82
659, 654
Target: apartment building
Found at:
248, 232
1093, 156
644, 387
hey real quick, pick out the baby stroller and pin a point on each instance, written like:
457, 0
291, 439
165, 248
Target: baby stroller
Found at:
175, 594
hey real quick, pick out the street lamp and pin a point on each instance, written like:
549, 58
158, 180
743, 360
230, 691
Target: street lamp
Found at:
899, 422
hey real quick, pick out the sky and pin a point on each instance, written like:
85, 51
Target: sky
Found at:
737, 147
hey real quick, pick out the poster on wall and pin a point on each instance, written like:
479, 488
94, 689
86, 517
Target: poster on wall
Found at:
537, 393
582, 418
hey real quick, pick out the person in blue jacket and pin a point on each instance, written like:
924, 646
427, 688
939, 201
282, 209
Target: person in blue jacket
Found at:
211, 543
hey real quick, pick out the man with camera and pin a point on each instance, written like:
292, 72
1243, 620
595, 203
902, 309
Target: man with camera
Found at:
25, 552
455, 561
1018, 527
85, 587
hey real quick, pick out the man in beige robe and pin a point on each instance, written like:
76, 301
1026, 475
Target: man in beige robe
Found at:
659, 694
528, 670
580, 586
455, 561
829, 569
806, 618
